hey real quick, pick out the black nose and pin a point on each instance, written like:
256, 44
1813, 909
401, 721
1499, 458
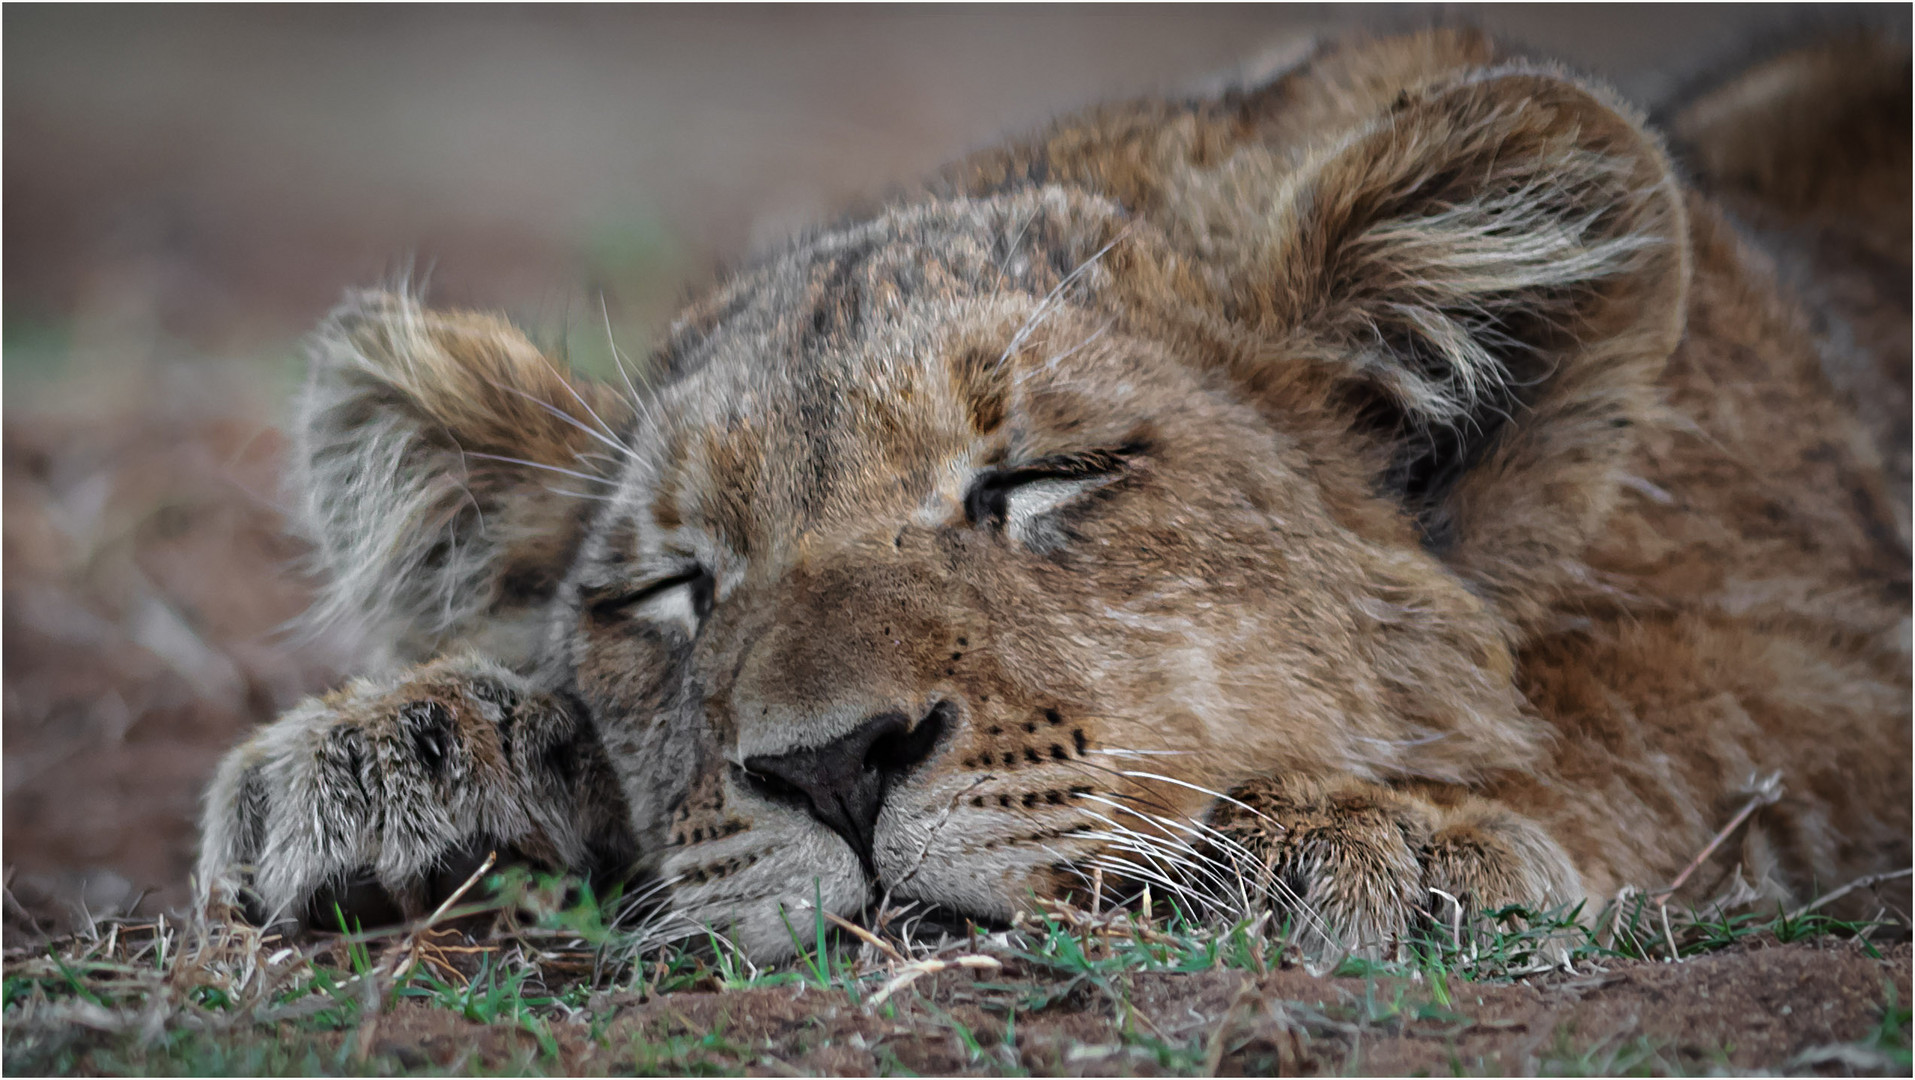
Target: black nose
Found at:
843, 783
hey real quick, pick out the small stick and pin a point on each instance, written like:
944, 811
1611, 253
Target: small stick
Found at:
439, 912
412, 948
1668, 937
1456, 918
373, 1003
1767, 792
912, 972
1858, 883
866, 936
1623, 896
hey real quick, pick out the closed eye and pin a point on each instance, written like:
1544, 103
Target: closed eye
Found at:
1015, 497
685, 597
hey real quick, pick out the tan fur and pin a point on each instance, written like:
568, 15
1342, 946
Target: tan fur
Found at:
1382, 488
1811, 150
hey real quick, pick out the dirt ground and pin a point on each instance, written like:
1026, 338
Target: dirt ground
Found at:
1757, 1007
1734, 1011
188, 189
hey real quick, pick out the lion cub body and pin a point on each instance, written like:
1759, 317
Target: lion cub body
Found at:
1383, 484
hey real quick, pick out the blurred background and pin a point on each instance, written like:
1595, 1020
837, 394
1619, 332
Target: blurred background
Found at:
187, 189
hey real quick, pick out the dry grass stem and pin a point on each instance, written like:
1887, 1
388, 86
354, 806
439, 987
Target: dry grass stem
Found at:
918, 969
1868, 881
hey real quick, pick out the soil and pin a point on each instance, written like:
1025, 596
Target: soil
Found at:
190, 188
1733, 1009
148, 581
1758, 1006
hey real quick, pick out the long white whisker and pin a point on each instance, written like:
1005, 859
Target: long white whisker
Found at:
1193, 787
567, 417
1044, 305
1145, 797
576, 396
1010, 249
611, 342
1052, 362
579, 494
1166, 847
1143, 843
534, 465
1220, 874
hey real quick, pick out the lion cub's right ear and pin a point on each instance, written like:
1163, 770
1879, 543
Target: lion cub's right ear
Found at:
1482, 283
438, 463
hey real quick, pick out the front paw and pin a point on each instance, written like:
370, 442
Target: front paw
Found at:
1356, 867
387, 782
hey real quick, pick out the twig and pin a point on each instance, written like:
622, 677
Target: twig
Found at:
912, 972
414, 939
1858, 883
1768, 791
445, 906
1668, 936
866, 936
1456, 918
1214, 1048
1613, 914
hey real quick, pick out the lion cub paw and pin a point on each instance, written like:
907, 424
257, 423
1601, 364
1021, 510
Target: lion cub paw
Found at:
1356, 866
388, 781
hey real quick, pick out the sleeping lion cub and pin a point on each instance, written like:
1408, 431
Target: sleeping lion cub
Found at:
1393, 485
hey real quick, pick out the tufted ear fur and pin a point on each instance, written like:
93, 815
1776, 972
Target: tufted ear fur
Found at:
1483, 283
430, 461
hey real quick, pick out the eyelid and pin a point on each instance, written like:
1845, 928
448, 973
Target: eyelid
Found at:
614, 599
987, 497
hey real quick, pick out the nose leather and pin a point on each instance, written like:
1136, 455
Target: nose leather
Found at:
843, 783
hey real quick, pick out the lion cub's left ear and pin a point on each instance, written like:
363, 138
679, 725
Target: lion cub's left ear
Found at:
443, 466
1483, 284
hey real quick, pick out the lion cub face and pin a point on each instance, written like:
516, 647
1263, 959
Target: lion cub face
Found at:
970, 550
924, 581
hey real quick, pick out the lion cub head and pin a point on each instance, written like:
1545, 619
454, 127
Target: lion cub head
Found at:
956, 550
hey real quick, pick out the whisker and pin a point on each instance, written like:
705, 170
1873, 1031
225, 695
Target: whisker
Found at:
576, 396
611, 342
1193, 787
580, 494
1192, 858
1010, 249
567, 417
1044, 306
1052, 362
1143, 798
1166, 847
535, 465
